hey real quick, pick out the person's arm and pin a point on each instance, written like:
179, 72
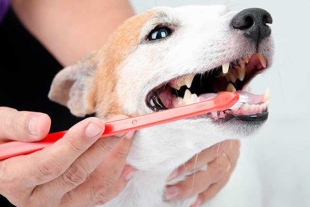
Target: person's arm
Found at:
70, 29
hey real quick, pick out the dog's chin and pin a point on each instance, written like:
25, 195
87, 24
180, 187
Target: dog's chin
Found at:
237, 126
242, 127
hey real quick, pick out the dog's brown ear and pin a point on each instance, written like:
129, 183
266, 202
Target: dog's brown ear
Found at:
71, 87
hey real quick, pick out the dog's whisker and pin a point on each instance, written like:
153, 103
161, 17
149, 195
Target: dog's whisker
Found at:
194, 174
218, 150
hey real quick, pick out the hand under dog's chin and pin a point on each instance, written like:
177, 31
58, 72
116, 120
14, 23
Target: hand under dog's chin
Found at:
167, 146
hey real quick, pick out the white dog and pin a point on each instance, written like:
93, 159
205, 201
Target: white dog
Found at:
164, 58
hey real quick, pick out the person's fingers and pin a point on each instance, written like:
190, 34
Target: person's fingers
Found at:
106, 181
201, 180
231, 147
232, 153
49, 163
83, 166
23, 125
212, 190
79, 171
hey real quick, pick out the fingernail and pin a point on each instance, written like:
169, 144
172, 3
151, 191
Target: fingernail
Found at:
93, 130
128, 172
173, 175
196, 204
130, 175
229, 162
33, 125
171, 192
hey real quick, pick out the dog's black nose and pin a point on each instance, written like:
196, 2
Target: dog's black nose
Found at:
253, 23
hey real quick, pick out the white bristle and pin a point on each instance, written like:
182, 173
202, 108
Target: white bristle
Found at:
242, 99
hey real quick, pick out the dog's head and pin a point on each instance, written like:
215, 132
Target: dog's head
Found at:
167, 57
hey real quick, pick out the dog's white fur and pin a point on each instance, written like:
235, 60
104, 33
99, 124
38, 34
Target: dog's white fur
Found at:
117, 78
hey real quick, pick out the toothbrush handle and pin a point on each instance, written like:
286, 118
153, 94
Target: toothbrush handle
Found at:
221, 102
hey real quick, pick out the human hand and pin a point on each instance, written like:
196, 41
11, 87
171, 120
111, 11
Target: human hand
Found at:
221, 160
77, 170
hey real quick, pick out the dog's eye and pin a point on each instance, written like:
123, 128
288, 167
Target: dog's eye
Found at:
159, 33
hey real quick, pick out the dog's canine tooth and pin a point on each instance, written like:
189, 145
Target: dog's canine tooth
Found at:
189, 80
225, 68
266, 95
262, 60
247, 59
241, 73
231, 88
266, 105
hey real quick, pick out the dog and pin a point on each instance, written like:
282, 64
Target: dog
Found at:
164, 58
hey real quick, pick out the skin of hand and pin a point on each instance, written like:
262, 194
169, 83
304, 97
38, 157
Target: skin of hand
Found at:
221, 160
78, 169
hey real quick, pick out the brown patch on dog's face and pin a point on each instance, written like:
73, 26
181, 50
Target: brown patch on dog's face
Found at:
117, 48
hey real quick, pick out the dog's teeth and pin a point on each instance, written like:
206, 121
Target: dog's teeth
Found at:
189, 80
174, 84
177, 87
180, 101
181, 82
152, 103
187, 95
232, 77
247, 59
189, 98
241, 73
245, 109
266, 95
225, 68
231, 88
194, 98
262, 60
185, 80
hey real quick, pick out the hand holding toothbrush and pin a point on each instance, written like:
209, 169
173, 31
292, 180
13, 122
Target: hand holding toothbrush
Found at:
63, 167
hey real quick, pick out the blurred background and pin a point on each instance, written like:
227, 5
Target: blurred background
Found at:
282, 149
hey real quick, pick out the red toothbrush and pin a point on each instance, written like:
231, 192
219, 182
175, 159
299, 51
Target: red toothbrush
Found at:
222, 101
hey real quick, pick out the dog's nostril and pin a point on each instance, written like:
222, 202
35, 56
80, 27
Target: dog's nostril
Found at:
246, 23
253, 23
